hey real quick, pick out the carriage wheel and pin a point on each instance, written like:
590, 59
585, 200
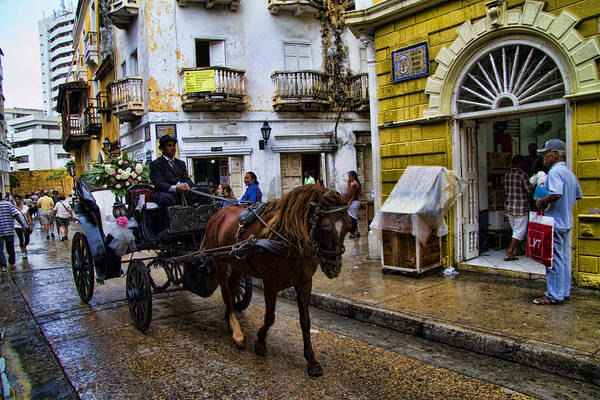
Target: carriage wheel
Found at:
157, 279
83, 267
242, 297
139, 294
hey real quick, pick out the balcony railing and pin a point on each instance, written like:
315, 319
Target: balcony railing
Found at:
103, 103
359, 92
90, 120
126, 98
297, 7
228, 94
72, 132
123, 12
232, 4
91, 48
301, 91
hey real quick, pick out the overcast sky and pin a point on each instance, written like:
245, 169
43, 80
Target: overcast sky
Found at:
19, 41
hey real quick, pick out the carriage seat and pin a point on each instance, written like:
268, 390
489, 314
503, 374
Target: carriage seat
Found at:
135, 193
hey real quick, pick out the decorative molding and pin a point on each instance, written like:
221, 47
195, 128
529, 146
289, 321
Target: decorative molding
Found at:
327, 148
214, 138
560, 30
296, 136
416, 121
227, 151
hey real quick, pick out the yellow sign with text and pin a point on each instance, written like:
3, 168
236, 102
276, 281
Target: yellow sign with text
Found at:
199, 81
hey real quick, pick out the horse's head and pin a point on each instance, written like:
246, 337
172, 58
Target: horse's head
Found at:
328, 227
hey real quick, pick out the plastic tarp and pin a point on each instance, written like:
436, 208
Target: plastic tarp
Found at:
419, 202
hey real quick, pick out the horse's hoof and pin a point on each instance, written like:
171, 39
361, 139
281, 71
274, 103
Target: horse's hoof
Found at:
240, 343
315, 370
260, 349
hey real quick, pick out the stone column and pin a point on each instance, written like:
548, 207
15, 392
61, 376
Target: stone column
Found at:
369, 41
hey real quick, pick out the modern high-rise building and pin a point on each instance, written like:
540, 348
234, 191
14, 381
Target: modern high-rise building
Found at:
56, 52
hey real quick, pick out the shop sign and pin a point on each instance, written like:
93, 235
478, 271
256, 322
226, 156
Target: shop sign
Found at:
216, 149
199, 81
410, 62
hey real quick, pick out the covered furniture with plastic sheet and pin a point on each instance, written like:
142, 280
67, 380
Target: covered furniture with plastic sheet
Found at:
411, 222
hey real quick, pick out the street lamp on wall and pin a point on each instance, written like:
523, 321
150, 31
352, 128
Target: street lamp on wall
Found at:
110, 147
266, 134
71, 168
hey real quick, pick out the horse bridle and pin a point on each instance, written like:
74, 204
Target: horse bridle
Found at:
327, 256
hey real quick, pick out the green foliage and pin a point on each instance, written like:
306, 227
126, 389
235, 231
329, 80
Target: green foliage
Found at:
59, 175
118, 173
13, 181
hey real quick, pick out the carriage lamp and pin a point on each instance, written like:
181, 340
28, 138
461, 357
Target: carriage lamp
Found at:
106, 145
266, 134
71, 168
148, 156
119, 208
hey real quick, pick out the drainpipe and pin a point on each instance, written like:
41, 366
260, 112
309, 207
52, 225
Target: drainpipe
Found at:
368, 39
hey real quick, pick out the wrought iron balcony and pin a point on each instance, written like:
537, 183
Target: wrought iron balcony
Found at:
123, 12
228, 94
297, 7
232, 4
91, 48
359, 92
72, 132
126, 98
301, 91
103, 103
90, 120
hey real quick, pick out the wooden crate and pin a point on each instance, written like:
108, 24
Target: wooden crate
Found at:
404, 253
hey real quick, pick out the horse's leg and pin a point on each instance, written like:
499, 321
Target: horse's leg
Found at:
260, 346
303, 295
230, 318
234, 281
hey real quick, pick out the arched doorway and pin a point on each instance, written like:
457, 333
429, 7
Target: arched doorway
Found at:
508, 97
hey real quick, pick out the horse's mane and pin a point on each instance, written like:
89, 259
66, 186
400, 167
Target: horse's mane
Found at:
291, 213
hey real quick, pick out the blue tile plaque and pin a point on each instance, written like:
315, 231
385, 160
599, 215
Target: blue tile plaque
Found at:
410, 62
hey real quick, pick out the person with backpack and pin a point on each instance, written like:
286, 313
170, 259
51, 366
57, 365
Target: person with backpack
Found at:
63, 214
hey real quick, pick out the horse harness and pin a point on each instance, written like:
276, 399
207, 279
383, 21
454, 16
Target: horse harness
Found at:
252, 213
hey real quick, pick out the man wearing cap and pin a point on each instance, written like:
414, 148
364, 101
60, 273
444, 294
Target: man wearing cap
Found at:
563, 190
170, 178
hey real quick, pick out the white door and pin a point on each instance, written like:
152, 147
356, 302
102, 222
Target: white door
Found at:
291, 171
236, 176
470, 201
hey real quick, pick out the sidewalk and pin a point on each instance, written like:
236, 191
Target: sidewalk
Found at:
489, 314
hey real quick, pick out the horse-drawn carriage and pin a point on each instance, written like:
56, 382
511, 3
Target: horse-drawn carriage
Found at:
177, 260
282, 243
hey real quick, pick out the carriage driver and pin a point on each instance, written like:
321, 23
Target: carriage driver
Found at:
170, 179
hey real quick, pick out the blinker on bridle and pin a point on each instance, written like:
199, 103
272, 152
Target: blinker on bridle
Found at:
325, 255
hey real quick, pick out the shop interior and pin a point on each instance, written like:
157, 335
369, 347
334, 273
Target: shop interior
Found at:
497, 142
211, 171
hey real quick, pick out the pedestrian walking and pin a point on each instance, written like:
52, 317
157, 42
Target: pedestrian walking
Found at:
63, 214
8, 214
563, 190
23, 233
253, 193
46, 204
224, 190
352, 195
516, 205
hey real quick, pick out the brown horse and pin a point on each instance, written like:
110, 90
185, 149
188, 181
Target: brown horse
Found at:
311, 222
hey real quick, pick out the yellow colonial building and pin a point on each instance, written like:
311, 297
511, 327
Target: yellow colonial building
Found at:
466, 85
89, 130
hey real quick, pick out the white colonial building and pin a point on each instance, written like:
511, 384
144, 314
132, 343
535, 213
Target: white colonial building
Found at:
213, 72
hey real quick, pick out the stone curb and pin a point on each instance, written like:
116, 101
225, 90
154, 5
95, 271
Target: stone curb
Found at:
544, 356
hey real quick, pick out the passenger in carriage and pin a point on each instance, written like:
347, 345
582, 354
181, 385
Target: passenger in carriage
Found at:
224, 190
253, 193
170, 179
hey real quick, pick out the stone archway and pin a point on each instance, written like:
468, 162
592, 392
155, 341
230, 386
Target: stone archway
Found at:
557, 31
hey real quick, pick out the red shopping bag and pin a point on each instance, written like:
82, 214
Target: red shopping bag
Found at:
540, 232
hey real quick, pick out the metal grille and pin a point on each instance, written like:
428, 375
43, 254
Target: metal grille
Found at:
509, 76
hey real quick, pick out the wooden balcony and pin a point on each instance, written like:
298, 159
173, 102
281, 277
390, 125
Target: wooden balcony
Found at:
72, 133
301, 91
91, 48
90, 120
232, 4
229, 92
126, 98
359, 92
296, 7
123, 12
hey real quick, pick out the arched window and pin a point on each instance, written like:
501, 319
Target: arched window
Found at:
509, 75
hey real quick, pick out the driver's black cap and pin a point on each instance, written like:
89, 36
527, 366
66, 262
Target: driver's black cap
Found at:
164, 139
